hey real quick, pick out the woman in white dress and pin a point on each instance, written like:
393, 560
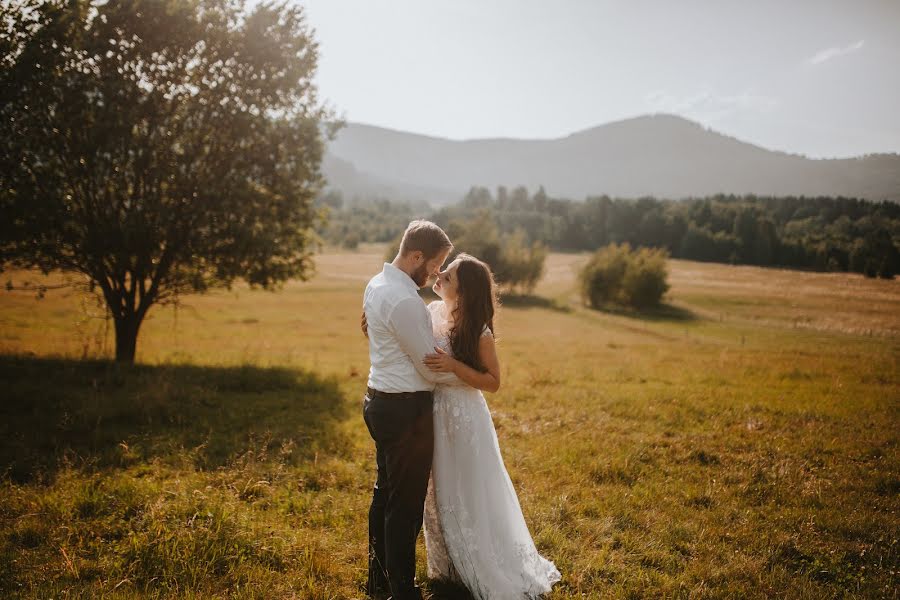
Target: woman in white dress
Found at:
475, 533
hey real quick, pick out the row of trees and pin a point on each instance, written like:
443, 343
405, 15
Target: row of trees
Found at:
823, 233
514, 229
376, 220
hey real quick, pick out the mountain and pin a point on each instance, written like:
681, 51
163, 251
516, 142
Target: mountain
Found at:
660, 155
342, 175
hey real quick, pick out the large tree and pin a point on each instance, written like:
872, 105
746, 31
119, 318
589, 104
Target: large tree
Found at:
158, 147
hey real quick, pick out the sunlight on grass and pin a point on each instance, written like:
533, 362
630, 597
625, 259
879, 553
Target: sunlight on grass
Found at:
741, 443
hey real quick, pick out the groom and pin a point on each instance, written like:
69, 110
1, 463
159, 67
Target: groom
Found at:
398, 404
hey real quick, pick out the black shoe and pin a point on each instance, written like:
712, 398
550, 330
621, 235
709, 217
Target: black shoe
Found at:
417, 594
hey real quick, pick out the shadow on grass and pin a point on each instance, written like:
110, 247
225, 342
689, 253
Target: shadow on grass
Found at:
531, 301
446, 590
663, 312
99, 414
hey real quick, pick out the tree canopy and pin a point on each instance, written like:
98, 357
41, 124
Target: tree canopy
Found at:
159, 148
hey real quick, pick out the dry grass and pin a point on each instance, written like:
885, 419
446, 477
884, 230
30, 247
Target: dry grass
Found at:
742, 442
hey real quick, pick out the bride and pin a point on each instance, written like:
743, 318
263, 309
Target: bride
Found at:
475, 533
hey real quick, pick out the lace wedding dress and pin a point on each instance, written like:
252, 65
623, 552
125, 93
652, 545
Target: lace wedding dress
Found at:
475, 533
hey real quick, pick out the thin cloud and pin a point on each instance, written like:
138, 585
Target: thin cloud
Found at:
829, 53
707, 104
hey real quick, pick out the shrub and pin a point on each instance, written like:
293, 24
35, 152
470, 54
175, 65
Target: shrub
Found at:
351, 241
616, 274
601, 278
645, 278
521, 265
516, 263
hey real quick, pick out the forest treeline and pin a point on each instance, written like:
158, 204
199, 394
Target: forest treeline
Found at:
818, 233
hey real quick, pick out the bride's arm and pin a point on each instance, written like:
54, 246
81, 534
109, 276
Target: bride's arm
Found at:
487, 355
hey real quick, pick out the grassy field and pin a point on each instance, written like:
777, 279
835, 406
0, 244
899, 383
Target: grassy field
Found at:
741, 442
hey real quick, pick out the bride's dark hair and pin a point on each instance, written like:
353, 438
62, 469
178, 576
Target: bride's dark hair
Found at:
476, 303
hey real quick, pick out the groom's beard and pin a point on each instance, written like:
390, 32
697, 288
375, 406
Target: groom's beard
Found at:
420, 276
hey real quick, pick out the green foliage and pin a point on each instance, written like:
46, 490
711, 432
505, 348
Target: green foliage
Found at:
158, 148
645, 278
810, 233
875, 256
350, 241
834, 234
516, 264
617, 275
373, 220
700, 243
601, 278
522, 264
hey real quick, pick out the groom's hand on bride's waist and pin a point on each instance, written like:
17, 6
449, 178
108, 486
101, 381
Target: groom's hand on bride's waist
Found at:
364, 325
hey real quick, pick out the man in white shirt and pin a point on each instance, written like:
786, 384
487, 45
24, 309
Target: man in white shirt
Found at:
398, 406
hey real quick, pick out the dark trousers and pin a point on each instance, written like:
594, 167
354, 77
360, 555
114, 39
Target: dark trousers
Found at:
403, 431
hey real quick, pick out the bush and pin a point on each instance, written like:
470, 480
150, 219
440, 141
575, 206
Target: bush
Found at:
601, 278
645, 278
616, 274
521, 265
351, 241
516, 263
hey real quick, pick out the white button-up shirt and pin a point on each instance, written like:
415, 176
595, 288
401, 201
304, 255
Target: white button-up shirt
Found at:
400, 335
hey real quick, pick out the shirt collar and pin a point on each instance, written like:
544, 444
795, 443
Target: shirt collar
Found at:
395, 274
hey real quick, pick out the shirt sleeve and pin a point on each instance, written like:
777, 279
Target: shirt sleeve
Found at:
409, 319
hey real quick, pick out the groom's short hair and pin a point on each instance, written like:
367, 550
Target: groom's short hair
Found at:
424, 236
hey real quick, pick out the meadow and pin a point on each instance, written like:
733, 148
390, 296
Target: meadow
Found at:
739, 442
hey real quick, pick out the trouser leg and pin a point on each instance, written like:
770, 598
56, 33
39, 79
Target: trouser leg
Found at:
404, 437
377, 580
408, 464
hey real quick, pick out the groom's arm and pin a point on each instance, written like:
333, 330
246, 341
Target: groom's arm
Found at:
410, 323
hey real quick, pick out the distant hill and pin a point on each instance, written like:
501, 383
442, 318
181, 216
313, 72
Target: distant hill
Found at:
342, 175
660, 155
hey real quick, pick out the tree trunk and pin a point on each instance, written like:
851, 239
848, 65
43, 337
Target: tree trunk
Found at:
126, 337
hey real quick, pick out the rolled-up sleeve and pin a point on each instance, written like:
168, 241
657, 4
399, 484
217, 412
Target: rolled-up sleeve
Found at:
410, 322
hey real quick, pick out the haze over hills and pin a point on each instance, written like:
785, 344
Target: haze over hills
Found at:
660, 155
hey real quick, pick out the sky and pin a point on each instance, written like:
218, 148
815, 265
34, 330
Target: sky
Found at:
819, 78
